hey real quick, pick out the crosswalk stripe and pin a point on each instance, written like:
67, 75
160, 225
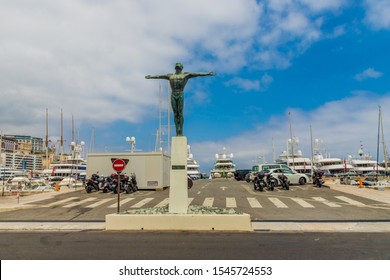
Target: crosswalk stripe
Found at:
231, 202
277, 202
163, 203
326, 202
253, 202
121, 202
350, 201
99, 203
80, 202
61, 201
142, 203
208, 202
302, 202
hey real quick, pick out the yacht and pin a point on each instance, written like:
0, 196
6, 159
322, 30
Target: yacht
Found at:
73, 166
296, 162
332, 165
223, 166
193, 169
364, 163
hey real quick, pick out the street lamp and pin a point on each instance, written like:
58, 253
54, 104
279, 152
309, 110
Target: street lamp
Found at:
131, 140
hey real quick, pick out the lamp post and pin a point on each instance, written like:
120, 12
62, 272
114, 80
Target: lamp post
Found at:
131, 140
293, 141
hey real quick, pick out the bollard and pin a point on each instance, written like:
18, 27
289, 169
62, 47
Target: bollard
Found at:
360, 183
57, 187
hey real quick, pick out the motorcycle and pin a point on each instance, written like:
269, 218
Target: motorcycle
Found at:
259, 183
108, 185
271, 182
130, 184
284, 181
317, 178
93, 183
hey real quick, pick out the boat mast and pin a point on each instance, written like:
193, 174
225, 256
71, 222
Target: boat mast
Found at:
47, 138
383, 139
62, 137
292, 144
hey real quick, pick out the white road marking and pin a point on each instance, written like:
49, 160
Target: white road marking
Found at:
142, 203
121, 202
231, 202
79, 202
208, 202
277, 202
254, 203
61, 201
163, 203
99, 203
302, 202
326, 202
350, 201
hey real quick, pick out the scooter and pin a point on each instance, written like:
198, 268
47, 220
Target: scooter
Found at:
284, 181
130, 183
317, 178
271, 182
93, 183
259, 183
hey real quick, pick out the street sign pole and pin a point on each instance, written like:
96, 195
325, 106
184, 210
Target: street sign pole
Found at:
119, 192
119, 165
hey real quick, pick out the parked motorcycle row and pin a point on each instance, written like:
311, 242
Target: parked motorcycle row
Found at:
107, 184
264, 181
269, 182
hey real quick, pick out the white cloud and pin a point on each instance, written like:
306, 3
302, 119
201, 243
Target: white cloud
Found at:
369, 73
377, 14
89, 57
342, 125
251, 85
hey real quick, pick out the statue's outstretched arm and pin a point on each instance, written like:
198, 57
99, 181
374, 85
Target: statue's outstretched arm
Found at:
166, 77
199, 74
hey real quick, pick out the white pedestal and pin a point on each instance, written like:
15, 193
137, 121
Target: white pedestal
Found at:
178, 191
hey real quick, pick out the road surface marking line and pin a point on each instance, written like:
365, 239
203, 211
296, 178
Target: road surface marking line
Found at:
254, 203
350, 201
231, 202
277, 202
190, 199
121, 202
79, 202
142, 202
163, 203
61, 201
99, 203
208, 202
302, 202
326, 202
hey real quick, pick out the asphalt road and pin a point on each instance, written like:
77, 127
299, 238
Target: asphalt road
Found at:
300, 203
103, 245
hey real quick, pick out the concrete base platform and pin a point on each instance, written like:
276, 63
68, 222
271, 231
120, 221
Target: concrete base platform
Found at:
187, 222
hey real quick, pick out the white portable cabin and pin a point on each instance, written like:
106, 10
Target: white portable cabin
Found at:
151, 169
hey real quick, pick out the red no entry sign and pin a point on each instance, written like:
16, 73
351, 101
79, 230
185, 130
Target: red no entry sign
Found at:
118, 165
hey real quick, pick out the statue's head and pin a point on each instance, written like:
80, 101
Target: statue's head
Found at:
179, 66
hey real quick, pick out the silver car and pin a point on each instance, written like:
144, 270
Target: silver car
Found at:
294, 178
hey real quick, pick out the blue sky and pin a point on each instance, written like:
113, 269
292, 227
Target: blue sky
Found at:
326, 62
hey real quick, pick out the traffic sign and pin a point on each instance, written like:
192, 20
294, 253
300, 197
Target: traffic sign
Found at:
118, 165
